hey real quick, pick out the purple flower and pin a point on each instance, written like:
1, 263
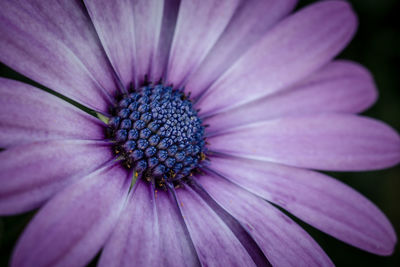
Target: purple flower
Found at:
206, 112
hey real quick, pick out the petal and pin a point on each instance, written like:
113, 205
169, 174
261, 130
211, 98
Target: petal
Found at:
315, 198
292, 50
56, 45
28, 114
199, 25
175, 244
251, 20
150, 222
160, 59
283, 242
327, 142
75, 224
31, 174
215, 243
147, 20
113, 21
340, 86
136, 35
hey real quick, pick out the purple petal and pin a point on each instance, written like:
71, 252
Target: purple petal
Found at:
136, 35
283, 242
340, 86
55, 44
292, 50
161, 56
147, 20
28, 114
215, 243
198, 27
327, 142
113, 21
150, 232
251, 20
75, 224
31, 174
317, 199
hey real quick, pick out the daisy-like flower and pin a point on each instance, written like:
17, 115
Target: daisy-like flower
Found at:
207, 113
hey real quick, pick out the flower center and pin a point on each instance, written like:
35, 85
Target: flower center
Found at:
158, 134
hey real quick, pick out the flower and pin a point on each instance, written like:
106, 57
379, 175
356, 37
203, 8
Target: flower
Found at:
204, 110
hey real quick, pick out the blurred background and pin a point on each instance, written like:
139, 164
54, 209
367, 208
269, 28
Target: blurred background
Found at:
376, 46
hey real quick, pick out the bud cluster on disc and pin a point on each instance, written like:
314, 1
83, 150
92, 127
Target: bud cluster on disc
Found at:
158, 133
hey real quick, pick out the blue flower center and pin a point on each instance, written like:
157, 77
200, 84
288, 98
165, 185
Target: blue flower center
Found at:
158, 133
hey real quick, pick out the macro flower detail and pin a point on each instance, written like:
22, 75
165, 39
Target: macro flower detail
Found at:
158, 134
182, 126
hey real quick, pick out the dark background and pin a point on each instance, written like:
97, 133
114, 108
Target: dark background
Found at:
376, 46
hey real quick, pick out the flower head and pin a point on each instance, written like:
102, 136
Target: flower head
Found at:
206, 112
